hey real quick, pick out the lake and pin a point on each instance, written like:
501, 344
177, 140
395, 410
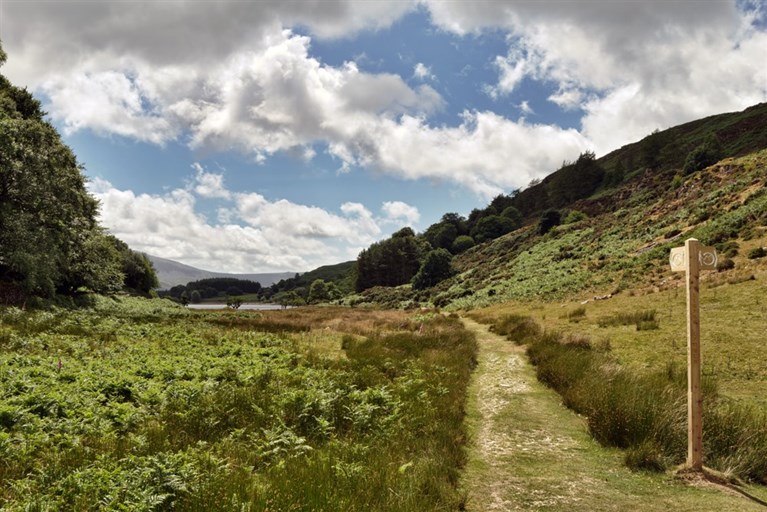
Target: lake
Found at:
245, 306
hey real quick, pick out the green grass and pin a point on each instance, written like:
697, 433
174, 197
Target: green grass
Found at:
616, 250
143, 405
530, 453
645, 412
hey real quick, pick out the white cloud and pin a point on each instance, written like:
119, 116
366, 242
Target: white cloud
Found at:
254, 235
422, 72
107, 102
632, 66
228, 76
526, 108
50, 38
209, 184
512, 69
281, 99
397, 212
486, 153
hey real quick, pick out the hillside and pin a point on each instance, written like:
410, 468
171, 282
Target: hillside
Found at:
340, 274
631, 221
171, 273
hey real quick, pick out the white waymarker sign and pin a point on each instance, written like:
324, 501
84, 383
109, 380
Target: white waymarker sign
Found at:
691, 259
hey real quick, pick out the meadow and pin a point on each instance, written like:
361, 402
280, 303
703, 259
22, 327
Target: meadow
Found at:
134, 404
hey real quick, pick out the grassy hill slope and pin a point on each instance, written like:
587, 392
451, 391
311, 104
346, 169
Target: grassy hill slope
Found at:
645, 206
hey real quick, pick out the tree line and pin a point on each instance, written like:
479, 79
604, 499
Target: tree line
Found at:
425, 259
50, 240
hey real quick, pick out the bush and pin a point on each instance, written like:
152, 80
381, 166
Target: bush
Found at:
549, 220
517, 328
757, 252
645, 319
462, 243
491, 227
708, 153
575, 216
726, 264
647, 456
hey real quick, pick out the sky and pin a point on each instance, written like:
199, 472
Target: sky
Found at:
281, 135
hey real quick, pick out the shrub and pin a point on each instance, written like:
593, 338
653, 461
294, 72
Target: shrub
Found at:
708, 153
517, 328
644, 318
577, 314
647, 456
676, 181
549, 220
575, 216
757, 252
462, 243
725, 264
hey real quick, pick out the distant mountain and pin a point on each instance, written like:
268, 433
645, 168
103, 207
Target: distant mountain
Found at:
171, 273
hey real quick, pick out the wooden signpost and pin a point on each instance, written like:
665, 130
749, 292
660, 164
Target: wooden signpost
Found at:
692, 258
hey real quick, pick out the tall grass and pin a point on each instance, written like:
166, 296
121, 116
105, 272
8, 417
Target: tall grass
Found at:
644, 413
135, 406
644, 320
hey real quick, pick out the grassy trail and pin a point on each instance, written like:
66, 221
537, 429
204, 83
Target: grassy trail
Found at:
528, 452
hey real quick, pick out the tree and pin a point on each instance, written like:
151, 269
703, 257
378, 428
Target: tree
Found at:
491, 227
436, 267
462, 243
575, 181
513, 215
390, 262
290, 298
234, 290
140, 275
318, 292
501, 202
95, 265
651, 147
549, 220
195, 298
456, 220
441, 234
49, 238
706, 154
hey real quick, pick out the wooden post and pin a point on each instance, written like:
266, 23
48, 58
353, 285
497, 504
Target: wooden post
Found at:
694, 397
692, 258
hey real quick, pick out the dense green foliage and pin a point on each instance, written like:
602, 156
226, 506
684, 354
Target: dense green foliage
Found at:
217, 287
322, 291
435, 268
139, 273
143, 405
341, 275
708, 153
50, 241
462, 243
390, 262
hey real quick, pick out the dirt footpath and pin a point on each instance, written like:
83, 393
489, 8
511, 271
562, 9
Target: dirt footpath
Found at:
528, 452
